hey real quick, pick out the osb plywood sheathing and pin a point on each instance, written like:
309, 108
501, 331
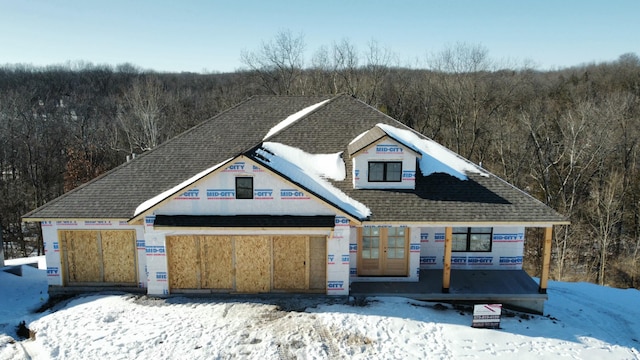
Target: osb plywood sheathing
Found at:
290, 262
317, 262
118, 256
82, 255
253, 264
216, 262
183, 262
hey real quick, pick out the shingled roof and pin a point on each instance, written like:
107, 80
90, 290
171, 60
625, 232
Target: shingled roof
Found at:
116, 194
438, 198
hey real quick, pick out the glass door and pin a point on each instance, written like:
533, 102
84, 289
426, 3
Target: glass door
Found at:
383, 251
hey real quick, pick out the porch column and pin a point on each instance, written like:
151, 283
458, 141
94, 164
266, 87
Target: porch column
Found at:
546, 260
446, 270
2, 248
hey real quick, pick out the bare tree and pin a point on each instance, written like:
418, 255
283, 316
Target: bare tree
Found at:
568, 152
605, 215
345, 74
278, 63
459, 81
140, 114
379, 60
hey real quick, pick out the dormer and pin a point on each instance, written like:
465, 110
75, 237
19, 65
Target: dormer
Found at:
382, 162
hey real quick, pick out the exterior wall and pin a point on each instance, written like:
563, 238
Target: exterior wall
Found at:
414, 258
338, 258
415, 247
52, 249
506, 251
216, 196
156, 269
385, 150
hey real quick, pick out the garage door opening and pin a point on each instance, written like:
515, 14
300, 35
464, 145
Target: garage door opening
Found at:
247, 264
98, 257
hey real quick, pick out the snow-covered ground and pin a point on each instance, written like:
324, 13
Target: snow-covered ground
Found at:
581, 321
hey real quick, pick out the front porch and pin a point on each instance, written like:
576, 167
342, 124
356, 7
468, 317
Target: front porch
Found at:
510, 287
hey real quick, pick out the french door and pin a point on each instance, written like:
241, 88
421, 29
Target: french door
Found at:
383, 251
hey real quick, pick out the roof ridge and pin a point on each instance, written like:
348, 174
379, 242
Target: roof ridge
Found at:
295, 96
323, 104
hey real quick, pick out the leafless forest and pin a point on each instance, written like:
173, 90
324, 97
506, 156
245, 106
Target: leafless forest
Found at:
569, 137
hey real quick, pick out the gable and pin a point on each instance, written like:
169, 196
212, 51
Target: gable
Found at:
382, 152
365, 139
215, 194
373, 137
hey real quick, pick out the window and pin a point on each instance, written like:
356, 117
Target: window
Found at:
396, 243
244, 188
370, 243
472, 239
385, 171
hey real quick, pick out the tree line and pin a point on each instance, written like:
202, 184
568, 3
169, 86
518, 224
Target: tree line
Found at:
569, 137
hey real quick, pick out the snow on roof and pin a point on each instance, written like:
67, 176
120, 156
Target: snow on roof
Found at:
326, 165
435, 157
293, 118
158, 198
358, 137
311, 171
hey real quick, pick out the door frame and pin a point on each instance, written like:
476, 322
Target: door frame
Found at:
382, 268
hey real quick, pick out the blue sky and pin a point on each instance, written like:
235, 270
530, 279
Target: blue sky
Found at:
208, 36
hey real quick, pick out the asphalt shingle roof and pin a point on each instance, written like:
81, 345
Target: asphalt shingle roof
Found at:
117, 193
327, 129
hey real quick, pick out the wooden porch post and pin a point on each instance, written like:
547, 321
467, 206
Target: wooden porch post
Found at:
446, 271
546, 260
2, 248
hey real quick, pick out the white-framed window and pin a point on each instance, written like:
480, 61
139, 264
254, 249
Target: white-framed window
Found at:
472, 239
385, 171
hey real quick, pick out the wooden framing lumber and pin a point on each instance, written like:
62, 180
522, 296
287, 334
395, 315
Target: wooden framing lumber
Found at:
546, 259
446, 270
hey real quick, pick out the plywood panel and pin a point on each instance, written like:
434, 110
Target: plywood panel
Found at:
317, 262
216, 262
118, 255
183, 262
82, 253
289, 262
253, 263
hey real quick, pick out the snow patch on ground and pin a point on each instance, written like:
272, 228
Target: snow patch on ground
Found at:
20, 296
435, 157
582, 321
310, 171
